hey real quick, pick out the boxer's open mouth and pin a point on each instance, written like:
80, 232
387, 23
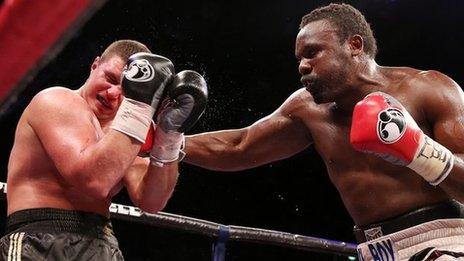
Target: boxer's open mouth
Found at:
104, 102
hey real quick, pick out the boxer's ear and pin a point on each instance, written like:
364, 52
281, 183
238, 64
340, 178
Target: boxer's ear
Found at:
95, 63
356, 44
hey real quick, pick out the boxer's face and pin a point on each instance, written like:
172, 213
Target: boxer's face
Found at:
323, 62
104, 94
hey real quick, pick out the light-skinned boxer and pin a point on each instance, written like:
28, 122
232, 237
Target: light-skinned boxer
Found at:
74, 150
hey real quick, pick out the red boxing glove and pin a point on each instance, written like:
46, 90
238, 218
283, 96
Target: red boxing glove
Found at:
148, 145
381, 126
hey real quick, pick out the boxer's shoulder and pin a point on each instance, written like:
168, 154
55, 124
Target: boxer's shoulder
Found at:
418, 80
300, 102
435, 80
432, 87
309, 111
56, 97
418, 86
56, 103
57, 92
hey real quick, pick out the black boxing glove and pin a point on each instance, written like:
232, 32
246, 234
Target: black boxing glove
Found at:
143, 81
184, 103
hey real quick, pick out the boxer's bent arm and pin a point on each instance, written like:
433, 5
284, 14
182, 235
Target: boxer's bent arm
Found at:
277, 136
150, 186
64, 127
445, 109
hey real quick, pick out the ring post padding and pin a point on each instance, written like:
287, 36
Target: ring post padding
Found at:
219, 247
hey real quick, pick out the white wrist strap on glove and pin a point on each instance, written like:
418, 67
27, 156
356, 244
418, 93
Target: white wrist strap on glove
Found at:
166, 146
133, 119
182, 151
432, 161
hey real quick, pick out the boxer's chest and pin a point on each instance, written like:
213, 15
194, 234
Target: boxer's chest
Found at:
332, 141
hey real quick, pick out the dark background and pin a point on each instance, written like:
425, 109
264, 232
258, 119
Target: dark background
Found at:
245, 51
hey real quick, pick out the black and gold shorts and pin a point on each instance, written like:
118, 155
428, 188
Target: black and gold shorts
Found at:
56, 234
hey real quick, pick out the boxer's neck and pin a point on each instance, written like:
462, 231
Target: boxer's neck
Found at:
367, 77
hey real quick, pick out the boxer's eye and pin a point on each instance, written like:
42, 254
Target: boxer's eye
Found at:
309, 54
112, 79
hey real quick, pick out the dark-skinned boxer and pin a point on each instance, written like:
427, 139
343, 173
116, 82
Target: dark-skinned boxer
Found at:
406, 210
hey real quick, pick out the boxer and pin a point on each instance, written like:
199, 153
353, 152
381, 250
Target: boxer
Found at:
398, 168
74, 150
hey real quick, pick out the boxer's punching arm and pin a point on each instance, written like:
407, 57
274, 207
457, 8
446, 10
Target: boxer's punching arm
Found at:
150, 186
445, 110
277, 136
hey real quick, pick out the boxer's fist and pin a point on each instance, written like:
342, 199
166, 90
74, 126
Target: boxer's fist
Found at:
143, 81
185, 101
145, 77
381, 126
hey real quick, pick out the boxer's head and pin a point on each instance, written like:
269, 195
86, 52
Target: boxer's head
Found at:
331, 40
102, 89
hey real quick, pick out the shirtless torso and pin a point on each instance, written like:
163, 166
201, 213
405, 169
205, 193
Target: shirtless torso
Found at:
66, 156
371, 188
33, 179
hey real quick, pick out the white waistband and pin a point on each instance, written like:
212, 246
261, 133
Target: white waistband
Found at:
445, 234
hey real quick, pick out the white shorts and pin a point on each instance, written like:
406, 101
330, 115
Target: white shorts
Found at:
443, 237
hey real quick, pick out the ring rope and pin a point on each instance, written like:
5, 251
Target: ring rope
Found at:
236, 233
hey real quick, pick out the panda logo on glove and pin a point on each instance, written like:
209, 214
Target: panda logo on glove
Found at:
391, 125
139, 71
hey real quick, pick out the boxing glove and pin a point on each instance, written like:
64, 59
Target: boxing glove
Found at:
143, 81
184, 103
381, 126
